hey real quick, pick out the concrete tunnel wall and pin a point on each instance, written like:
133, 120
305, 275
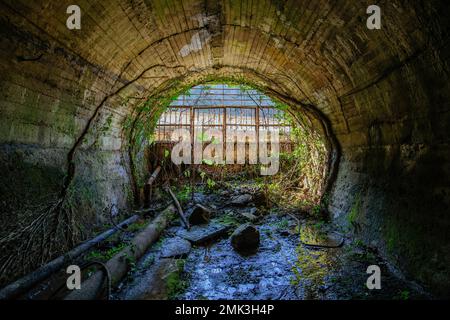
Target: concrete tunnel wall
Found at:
385, 92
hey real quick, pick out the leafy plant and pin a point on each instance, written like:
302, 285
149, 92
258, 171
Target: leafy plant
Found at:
166, 153
208, 162
174, 281
184, 194
210, 184
404, 295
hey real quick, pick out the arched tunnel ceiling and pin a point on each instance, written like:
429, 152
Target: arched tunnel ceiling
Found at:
320, 52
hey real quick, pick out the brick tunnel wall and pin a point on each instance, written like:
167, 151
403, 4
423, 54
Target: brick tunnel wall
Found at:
385, 92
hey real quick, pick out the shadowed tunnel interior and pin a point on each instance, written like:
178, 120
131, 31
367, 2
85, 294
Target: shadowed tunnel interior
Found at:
73, 103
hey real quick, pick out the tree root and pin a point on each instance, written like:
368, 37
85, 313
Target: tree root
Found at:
45, 231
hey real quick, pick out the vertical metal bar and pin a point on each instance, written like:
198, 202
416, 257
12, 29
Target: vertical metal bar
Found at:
257, 131
224, 133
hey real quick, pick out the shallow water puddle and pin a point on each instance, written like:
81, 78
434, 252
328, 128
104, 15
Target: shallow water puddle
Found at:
274, 272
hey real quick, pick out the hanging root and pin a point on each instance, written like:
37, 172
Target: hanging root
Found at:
45, 230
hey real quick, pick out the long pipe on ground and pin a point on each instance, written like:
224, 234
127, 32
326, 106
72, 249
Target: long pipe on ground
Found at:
119, 265
27, 282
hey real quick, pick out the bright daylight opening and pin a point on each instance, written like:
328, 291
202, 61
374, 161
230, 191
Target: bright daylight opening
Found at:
224, 116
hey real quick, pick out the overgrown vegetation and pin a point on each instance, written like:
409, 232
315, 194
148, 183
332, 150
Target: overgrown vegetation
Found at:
103, 256
299, 184
302, 170
174, 281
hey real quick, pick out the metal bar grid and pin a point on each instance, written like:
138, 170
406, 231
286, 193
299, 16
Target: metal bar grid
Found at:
250, 119
222, 107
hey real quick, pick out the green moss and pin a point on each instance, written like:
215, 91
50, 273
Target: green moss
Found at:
310, 266
407, 239
354, 211
283, 224
411, 245
184, 193
402, 295
174, 282
137, 226
105, 255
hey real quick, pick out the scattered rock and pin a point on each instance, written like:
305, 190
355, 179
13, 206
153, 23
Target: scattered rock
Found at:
199, 215
241, 200
228, 212
334, 239
260, 199
250, 214
245, 239
200, 234
199, 197
175, 248
284, 233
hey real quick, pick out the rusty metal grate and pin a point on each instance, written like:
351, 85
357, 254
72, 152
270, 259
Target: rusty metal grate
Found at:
222, 107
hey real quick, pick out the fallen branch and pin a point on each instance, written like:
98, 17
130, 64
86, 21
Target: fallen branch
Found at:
119, 265
154, 176
148, 186
27, 282
179, 209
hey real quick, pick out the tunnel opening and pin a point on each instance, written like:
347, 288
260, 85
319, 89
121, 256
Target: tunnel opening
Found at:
219, 121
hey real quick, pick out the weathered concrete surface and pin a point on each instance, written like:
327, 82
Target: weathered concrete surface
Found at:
385, 93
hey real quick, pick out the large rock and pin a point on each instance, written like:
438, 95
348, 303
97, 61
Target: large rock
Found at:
199, 215
245, 239
175, 248
260, 199
241, 200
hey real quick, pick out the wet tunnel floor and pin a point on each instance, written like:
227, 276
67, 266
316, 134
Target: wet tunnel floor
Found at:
282, 268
